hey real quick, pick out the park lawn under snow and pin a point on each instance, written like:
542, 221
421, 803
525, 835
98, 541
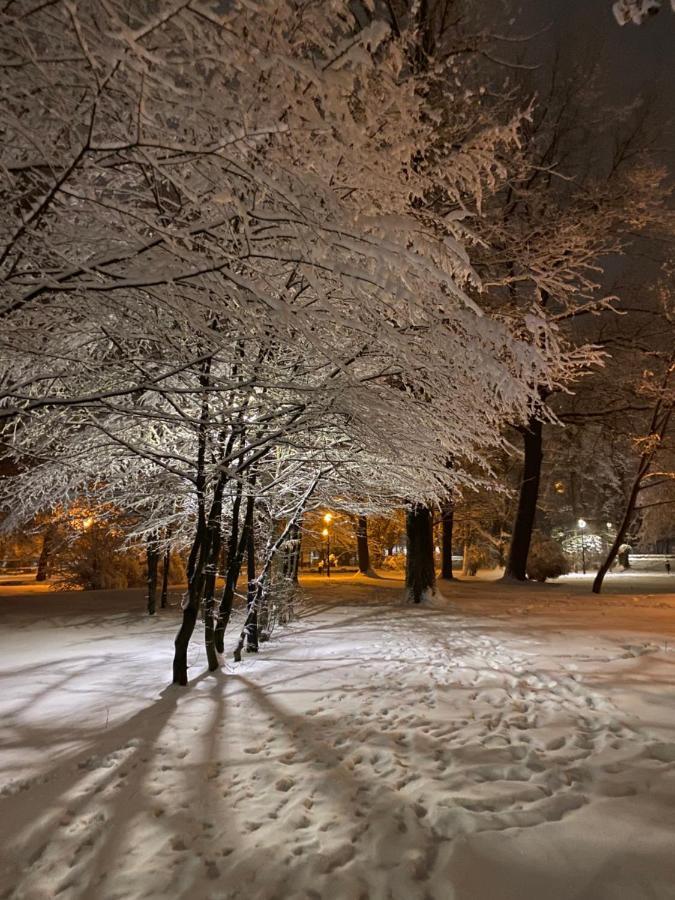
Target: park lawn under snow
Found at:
508, 743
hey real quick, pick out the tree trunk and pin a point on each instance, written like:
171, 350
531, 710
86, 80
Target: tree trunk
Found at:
236, 549
619, 539
251, 595
164, 599
295, 557
420, 576
362, 550
516, 564
658, 427
181, 644
190, 609
249, 633
45, 554
152, 557
195, 568
211, 557
446, 542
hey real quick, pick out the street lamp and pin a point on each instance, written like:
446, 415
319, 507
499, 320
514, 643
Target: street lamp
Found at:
326, 534
582, 524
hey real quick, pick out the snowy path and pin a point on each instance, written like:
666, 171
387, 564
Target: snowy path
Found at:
370, 751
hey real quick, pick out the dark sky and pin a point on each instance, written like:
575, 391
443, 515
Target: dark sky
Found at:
633, 59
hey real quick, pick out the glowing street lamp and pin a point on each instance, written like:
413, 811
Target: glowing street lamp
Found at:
326, 534
582, 524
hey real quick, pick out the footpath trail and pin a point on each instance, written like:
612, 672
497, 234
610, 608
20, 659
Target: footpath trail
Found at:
505, 744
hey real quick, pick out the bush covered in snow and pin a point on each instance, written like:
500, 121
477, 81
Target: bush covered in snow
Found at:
546, 559
476, 558
97, 560
395, 561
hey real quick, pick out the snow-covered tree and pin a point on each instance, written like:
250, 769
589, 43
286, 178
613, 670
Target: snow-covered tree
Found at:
234, 273
636, 11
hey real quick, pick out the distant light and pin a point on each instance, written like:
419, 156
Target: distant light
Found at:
609, 525
581, 523
328, 518
325, 532
559, 487
87, 523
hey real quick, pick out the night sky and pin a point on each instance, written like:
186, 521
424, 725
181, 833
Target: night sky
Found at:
634, 60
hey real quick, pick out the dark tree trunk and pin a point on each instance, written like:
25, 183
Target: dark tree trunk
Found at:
660, 420
252, 596
181, 644
164, 599
211, 557
190, 607
193, 596
362, 549
446, 541
516, 564
295, 553
420, 576
619, 539
152, 557
235, 557
249, 633
45, 554
658, 428
211, 616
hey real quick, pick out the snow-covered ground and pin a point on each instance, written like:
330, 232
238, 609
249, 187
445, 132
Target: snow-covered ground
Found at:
509, 743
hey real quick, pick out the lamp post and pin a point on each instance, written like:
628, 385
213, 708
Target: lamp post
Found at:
582, 524
328, 518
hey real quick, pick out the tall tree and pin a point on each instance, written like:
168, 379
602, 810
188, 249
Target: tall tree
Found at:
420, 574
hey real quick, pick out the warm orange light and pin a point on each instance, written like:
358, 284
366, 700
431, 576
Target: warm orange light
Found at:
328, 518
87, 523
325, 532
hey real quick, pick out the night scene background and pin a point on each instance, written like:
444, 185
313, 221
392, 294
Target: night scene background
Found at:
337, 461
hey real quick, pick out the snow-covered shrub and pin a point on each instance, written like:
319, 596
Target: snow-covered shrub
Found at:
96, 560
395, 562
546, 559
476, 558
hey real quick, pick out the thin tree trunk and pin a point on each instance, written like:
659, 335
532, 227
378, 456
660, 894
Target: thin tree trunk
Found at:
210, 614
152, 557
446, 542
362, 549
256, 596
164, 599
192, 599
190, 606
657, 429
420, 575
235, 557
45, 554
295, 555
252, 607
620, 535
516, 564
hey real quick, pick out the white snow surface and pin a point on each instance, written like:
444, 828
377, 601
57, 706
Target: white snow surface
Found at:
507, 743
